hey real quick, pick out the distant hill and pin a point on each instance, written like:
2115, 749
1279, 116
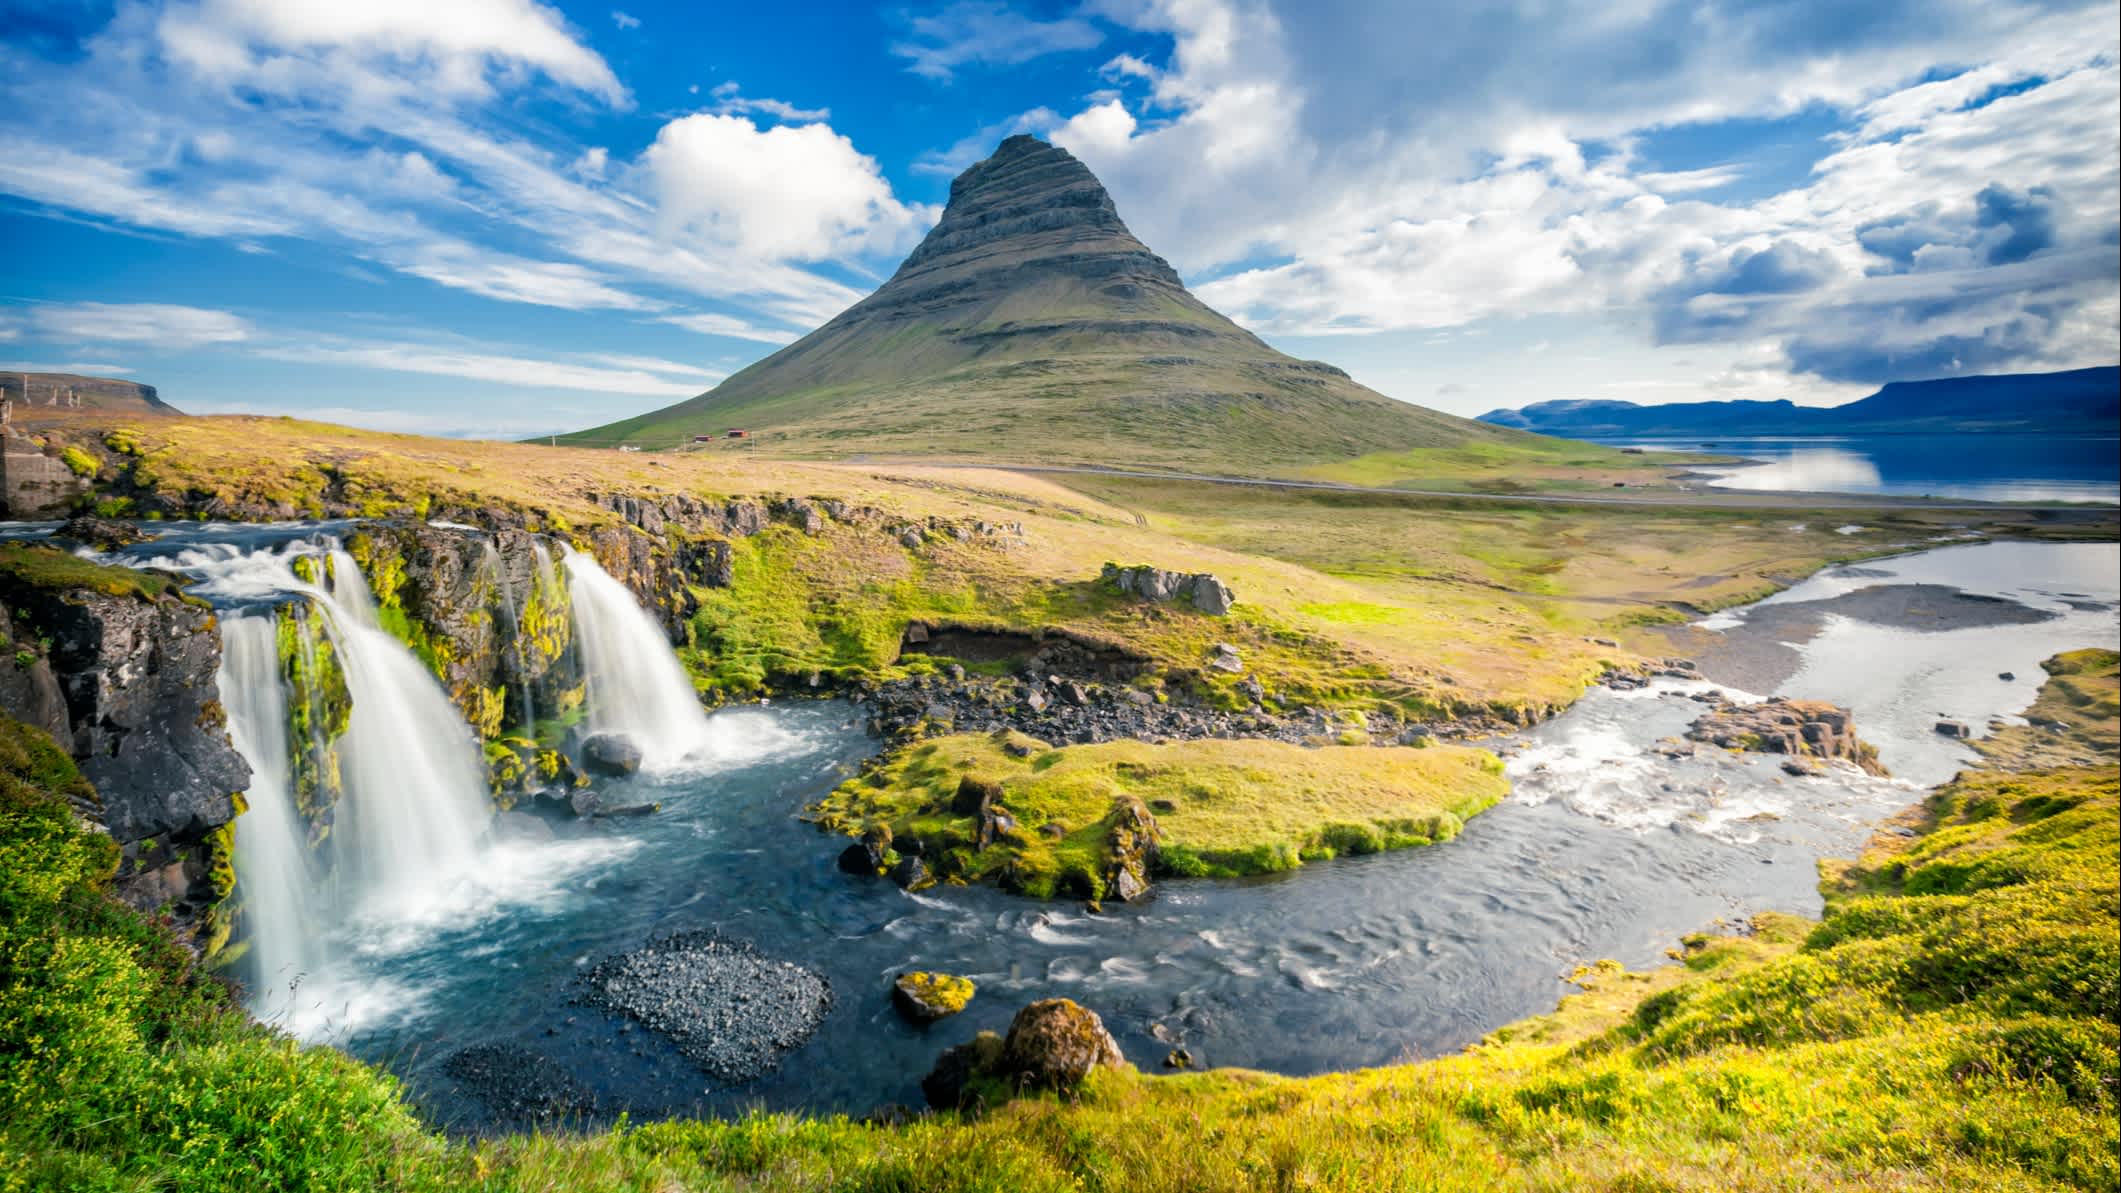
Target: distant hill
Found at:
2080, 401
54, 393
1030, 325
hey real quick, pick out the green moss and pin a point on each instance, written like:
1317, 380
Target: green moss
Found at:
319, 712
947, 992
79, 462
49, 567
1223, 808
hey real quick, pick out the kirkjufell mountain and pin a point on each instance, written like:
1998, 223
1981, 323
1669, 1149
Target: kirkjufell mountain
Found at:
1031, 326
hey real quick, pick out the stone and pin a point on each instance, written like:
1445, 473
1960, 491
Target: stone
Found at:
1226, 658
911, 873
583, 802
1211, 596
926, 997
611, 754
627, 810
1178, 1058
1801, 728
947, 1084
2006, 676
1203, 591
1955, 729
104, 534
974, 796
855, 859
1056, 1043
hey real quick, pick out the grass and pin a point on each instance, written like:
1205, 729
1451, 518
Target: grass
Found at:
1221, 807
1434, 608
1948, 1025
2083, 696
50, 568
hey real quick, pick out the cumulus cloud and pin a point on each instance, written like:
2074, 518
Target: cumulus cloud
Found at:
1431, 181
792, 192
483, 363
377, 133
988, 33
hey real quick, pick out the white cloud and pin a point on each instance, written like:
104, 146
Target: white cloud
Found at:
729, 325
1425, 181
625, 20
455, 47
160, 325
482, 363
74, 366
787, 193
988, 33
729, 101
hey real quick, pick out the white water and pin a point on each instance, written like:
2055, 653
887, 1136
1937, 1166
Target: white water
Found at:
275, 877
634, 683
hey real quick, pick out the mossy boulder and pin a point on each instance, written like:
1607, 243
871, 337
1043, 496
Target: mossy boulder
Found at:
926, 997
1053, 1045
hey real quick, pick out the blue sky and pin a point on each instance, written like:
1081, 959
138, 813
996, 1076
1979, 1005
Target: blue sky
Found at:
505, 217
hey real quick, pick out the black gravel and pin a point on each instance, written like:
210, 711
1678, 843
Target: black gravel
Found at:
730, 1009
518, 1085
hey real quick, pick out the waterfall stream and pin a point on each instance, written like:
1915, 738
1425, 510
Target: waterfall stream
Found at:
635, 684
276, 878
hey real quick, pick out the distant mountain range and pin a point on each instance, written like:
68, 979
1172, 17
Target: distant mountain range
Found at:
1031, 325
2080, 401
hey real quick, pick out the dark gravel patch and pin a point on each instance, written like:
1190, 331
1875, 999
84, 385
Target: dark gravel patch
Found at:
730, 1009
518, 1085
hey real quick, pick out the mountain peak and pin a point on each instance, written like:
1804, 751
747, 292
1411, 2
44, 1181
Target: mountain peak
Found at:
1032, 203
1031, 324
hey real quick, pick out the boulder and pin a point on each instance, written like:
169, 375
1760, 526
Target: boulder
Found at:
612, 754
104, 534
926, 997
1955, 729
911, 873
1055, 1043
949, 1084
1199, 589
1225, 658
1801, 728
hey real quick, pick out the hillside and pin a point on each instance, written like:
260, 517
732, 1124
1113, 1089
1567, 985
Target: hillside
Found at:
2079, 401
1030, 325
56, 393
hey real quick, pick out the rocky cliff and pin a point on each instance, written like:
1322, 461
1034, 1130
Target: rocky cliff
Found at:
120, 669
1031, 324
51, 395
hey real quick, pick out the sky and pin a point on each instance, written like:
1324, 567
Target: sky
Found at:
505, 218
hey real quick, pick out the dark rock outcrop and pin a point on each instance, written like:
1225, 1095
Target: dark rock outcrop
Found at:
125, 681
1198, 589
612, 754
1805, 728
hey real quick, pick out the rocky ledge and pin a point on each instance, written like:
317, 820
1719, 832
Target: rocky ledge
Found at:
1799, 728
730, 1010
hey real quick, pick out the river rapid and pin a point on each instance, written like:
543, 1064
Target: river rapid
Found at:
1607, 848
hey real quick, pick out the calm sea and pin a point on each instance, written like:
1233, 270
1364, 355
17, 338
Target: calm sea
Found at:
1977, 467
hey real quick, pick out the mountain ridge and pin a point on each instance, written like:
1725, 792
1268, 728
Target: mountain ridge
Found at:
2072, 401
1030, 323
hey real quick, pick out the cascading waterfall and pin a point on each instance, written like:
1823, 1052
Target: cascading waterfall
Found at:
275, 876
412, 805
635, 684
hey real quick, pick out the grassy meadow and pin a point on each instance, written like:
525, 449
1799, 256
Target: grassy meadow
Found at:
1947, 1025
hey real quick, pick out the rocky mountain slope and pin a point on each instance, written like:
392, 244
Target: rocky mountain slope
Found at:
42, 394
1030, 325
2079, 401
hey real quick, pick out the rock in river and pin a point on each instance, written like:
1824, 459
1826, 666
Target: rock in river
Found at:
927, 997
729, 1009
1052, 1044
613, 754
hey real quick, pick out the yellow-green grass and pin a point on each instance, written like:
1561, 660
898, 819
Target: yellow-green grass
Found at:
50, 568
1947, 1026
1435, 607
1534, 466
1221, 807
2083, 696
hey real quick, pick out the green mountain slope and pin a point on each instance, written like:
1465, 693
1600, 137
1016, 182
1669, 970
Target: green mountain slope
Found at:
1031, 326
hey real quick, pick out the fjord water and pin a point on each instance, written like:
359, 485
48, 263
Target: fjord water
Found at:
2037, 468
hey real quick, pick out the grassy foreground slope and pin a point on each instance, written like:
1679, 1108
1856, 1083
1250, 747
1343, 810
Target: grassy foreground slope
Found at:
1948, 1025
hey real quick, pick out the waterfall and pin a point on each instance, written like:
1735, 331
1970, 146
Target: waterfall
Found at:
635, 684
275, 877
